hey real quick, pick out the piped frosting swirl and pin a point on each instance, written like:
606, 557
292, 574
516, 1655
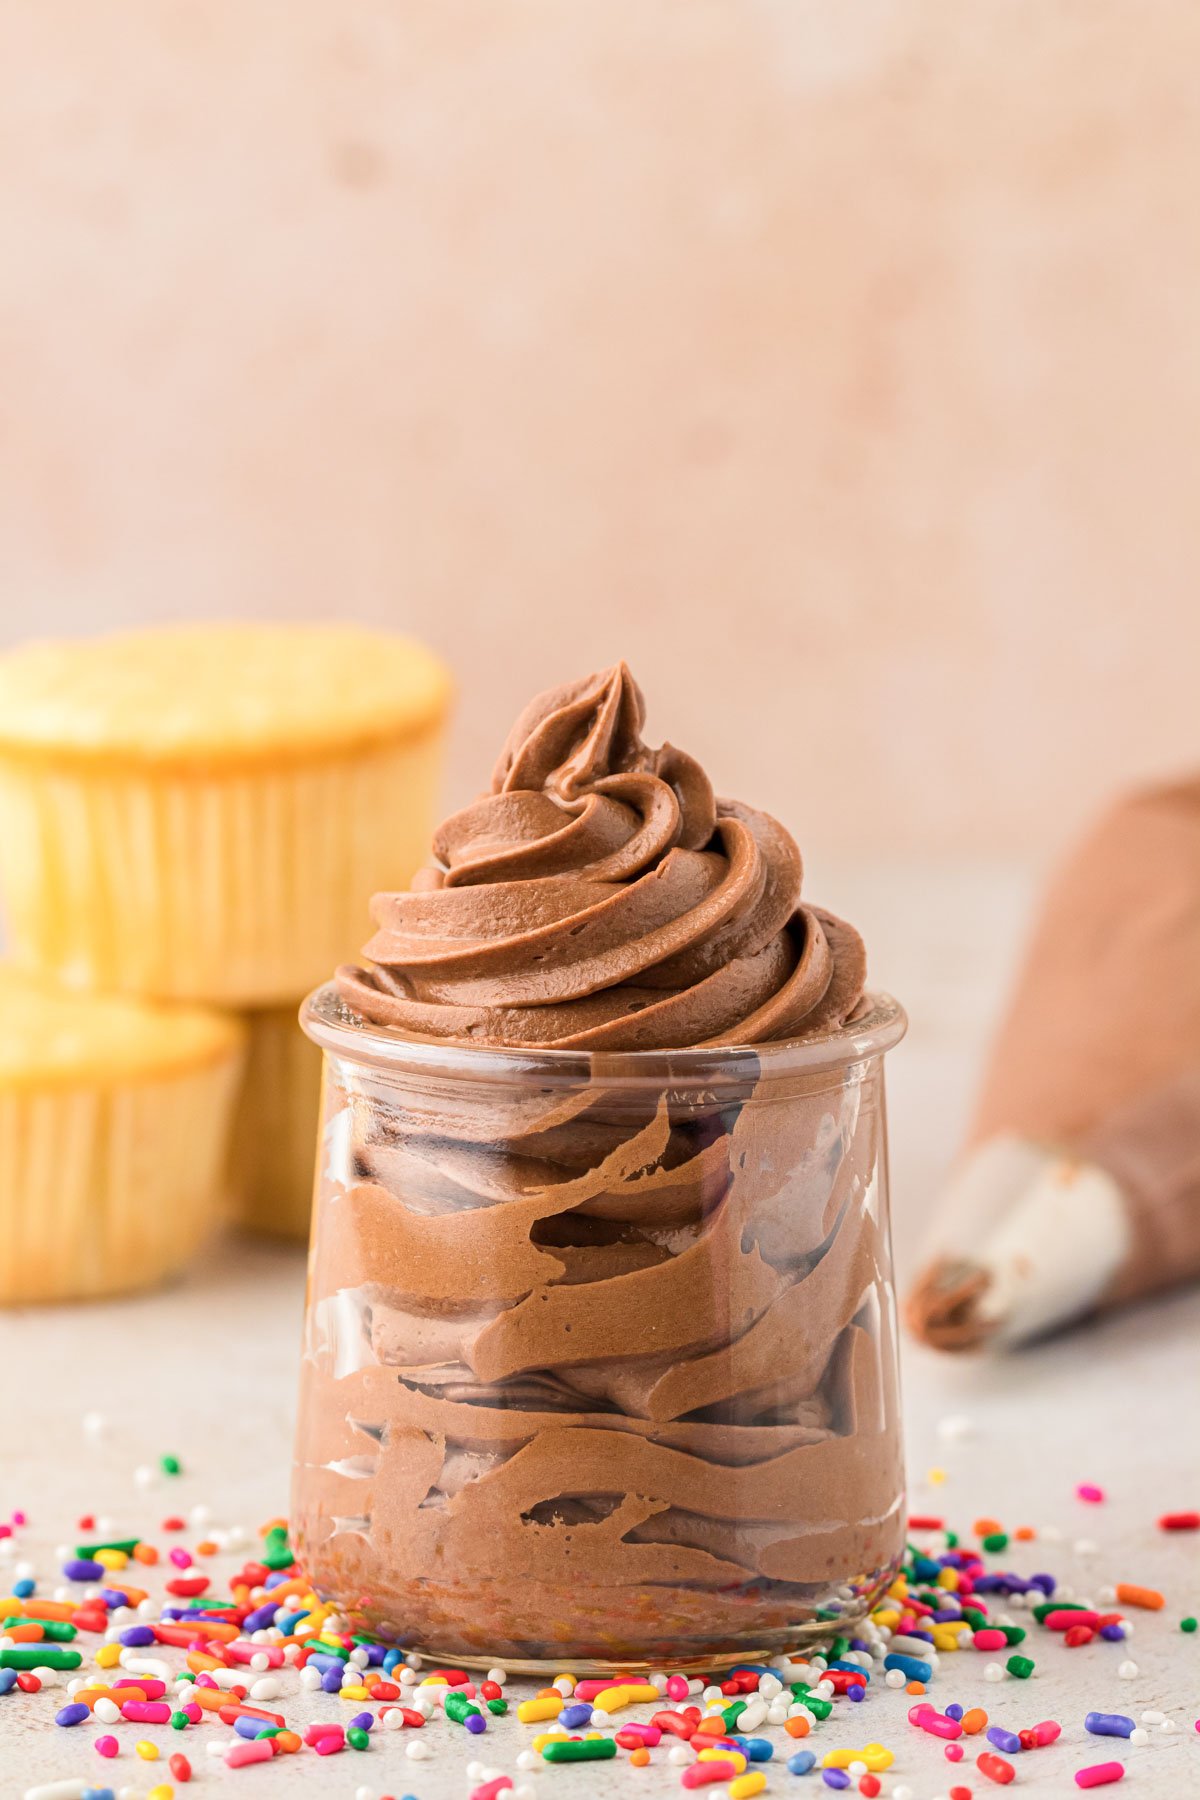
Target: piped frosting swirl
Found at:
600, 897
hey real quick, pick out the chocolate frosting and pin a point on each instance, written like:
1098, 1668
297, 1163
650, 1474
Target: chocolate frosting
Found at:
601, 1362
600, 897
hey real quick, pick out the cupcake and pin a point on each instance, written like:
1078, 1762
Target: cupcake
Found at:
114, 1118
275, 1126
195, 813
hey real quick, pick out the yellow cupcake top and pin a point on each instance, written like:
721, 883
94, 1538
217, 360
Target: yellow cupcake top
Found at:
208, 696
55, 1035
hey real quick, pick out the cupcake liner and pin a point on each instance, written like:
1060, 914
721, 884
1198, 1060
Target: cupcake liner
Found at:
241, 886
106, 1189
275, 1126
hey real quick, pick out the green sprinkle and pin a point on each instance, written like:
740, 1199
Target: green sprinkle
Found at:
497, 1706
39, 1656
88, 1551
996, 1541
57, 1630
817, 1705
976, 1620
580, 1750
952, 1540
838, 1648
1014, 1633
358, 1739
1041, 1613
277, 1557
170, 1465
458, 1707
1188, 1624
180, 1721
269, 1731
1020, 1666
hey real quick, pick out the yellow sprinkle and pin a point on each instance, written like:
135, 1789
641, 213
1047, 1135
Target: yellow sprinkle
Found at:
112, 1559
108, 1656
715, 1755
936, 1477
355, 1693
549, 1737
743, 1785
161, 1792
948, 1579
531, 1712
874, 1755
146, 1750
434, 1681
631, 1694
887, 1616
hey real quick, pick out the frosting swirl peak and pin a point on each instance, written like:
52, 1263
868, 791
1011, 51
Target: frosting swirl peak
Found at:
600, 897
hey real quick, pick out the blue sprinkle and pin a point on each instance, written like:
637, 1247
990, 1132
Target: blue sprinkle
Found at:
74, 1714
390, 1659
275, 1578
753, 1749
1008, 1741
250, 1728
573, 1716
99, 1794
80, 1569
136, 1637
8, 1680
954, 1710
801, 1763
1108, 1724
753, 1669
288, 1622
23, 1588
911, 1666
925, 1569
835, 1778
475, 1723
326, 1660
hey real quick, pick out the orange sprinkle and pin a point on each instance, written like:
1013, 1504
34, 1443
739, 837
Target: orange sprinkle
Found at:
915, 1687
199, 1662
1025, 1534
974, 1722
639, 1758
712, 1726
1131, 1595
550, 1693
287, 1740
797, 1727
145, 1553
985, 1527
25, 1634
211, 1699
206, 1548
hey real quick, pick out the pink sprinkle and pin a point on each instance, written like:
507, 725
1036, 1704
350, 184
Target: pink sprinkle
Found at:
954, 1752
252, 1750
181, 1558
488, 1790
5, 1531
1087, 1490
1099, 1775
990, 1639
1047, 1731
677, 1687
107, 1746
703, 1774
326, 1745
19, 1518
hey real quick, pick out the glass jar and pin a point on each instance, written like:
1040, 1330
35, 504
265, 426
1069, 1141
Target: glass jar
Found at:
600, 1359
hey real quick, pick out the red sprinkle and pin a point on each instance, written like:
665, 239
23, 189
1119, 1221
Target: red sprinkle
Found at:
180, 1767
187, 1587
1180, 1521
1078, 1634
996, 1768
28, 1682
925, 1522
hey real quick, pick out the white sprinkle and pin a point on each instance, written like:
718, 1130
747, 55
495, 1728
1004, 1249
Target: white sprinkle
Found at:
993, 1672
499, 1676
523, 1793
1139, 1735
953, 1427
199, 1516
416, 1751
1085, 1547
94, 1424
310, 1678
269, 1688
600, 1718
1050, 1534
1107, 1595
413, 1659
856, 1769
894, 1678
144, 1476
527, 1759
365, 1793
1153, 1718
901, 1793
1127, 1671
769, 1686
679, 1754
260, 1661
712, 1693
1168, 1725
107, 1711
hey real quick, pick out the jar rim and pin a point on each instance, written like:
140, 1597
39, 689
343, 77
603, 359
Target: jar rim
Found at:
336, 1027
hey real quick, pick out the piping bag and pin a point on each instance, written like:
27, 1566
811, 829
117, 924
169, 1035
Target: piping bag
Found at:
1079, 1185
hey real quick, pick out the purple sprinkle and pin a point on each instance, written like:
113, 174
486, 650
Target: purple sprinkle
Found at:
1114, 1633
861, 1645
835, 1778
1008, 1741
1047, 1583
136, 1637
331, 1680
954, 1710
474, 1723
364, 1720
856, 1692
79, 1568
572, 1716
74, 1714
260, 1618
112, 1598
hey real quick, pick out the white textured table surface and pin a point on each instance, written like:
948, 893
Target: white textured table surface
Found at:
207, 1370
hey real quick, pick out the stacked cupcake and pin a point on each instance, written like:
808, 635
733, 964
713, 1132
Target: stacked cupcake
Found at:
189, 820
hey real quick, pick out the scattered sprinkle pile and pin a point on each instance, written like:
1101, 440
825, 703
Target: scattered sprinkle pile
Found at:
224, 1677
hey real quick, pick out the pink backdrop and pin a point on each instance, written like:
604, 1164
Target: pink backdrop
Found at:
837, 363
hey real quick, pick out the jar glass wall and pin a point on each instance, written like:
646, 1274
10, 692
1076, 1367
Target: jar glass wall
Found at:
600, 1361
